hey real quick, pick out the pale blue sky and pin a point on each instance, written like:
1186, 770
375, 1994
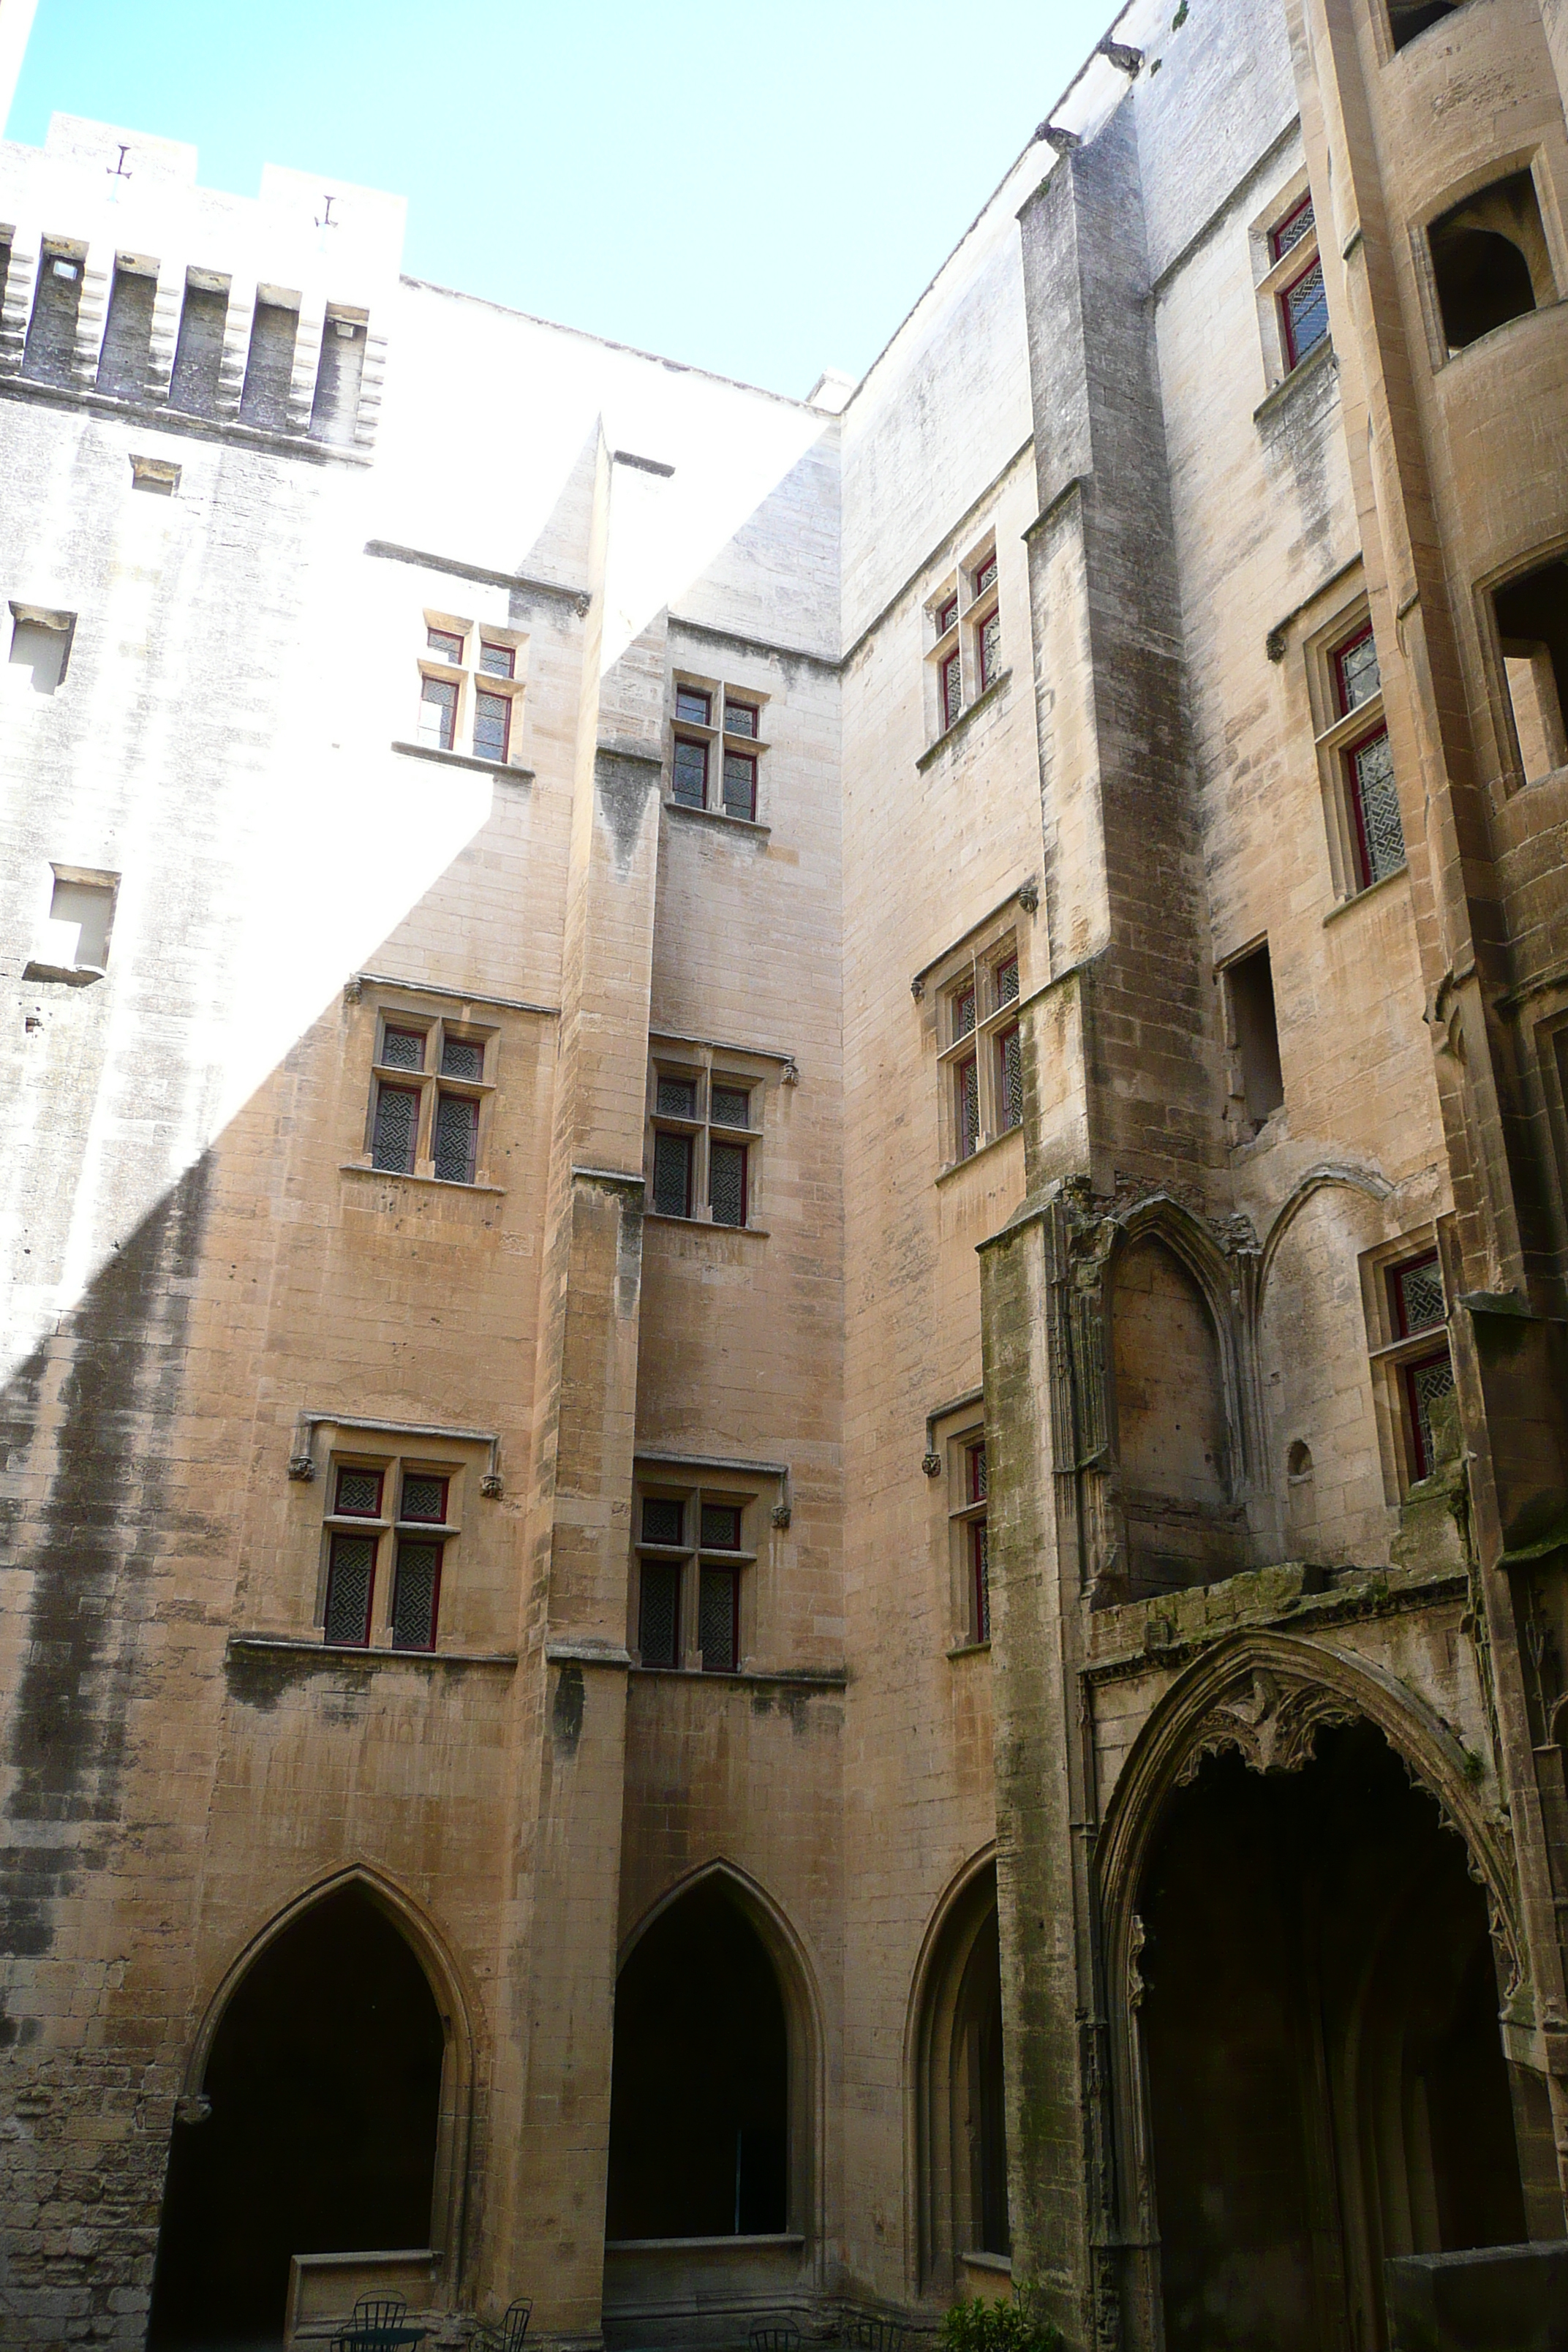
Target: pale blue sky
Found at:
762, 189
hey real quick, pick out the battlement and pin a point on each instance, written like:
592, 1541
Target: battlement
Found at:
123, 282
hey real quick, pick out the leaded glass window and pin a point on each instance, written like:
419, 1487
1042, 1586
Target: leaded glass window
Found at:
456, 1137
718, 1620
727, 1182
397, 1130
663, 1519
492, 725
721, 1527
1356, 674
985, 576
403, 1049
671, 1175
1292, 229
497, 661
951, 690
967, 1078
732, 1106
677, 1097
1375, 809
1418, 1289
690, 781
1007, 981
1425, 1383
437, 713
423, 1497
740, 784
358, 1495
658, 1613
351, 1575
1010, 1078
692, 705
413, 1594
975, 1472
446, 645
1305, 305
980, 1573
462, 1058
990, 649
741, 718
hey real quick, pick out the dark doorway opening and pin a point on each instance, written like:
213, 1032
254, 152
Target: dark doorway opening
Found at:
984, 2090
1325, 2070
324, 2082
699, 2085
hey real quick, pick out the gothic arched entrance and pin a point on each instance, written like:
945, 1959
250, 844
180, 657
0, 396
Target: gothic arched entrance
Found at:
324, 2086
961, 2089
1323, 2069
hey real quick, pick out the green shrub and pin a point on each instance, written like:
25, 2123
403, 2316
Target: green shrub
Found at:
1020, 2325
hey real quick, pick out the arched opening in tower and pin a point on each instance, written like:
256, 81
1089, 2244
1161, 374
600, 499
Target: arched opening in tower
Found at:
700, 2086
1325, 2070
324, 2084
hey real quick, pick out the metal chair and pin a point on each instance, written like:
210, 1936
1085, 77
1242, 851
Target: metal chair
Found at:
866, 2333
374, 2326
509, 2336
774, 2335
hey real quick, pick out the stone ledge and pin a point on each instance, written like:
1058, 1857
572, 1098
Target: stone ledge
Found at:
944, 741
809, 1679
401, 1176
720, 816
1126, 1640
1307, 372
465, 759
295, 1647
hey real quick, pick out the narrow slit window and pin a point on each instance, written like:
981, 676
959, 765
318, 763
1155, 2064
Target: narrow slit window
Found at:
966, 1089
334, 411
1250, 986
990, 650
270, 366
980, 1578
48, 355
672, 1175
351, 1581
1010, 1079
397, 1130
456, 1137
416, 1595
1533, 631
198, 351
952, 689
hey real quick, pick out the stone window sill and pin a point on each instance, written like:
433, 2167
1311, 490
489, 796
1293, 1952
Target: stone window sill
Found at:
828, 1679
465, 759
400, 1176
719, 816
1360, 896
945, 742
1307, 371
294, 1645
703, 1224
969, 1649
957, 1167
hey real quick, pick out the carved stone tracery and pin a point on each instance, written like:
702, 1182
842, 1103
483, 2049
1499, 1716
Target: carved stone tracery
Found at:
1271, 1724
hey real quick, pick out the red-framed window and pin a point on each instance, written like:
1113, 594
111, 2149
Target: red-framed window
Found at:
455, 1142
988, 638
446, 645
492, 725
672, 1158
659, 1612
727, 1182
719, 1618
963, 1011
357, 1495
732, 1106
688, 784
1424, 1381
966, 1106
350, 1586
497, 661
1008, 982
1010, 1079
693, 706
1299, 222
1356, 674
424, 1498
1377, 830
985, 576
1416, 1294
741, 784
463, 1057
946, 613
951, 688
415, 1591
741, 718
437, 713
977, 1489
401, 1049
721, 1527
396, 1132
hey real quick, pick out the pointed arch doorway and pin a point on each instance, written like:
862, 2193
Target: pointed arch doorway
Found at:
324, 2082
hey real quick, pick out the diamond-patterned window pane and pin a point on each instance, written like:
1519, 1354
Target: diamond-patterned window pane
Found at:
672, 1175
946, 613
1359, 675
447, 645
976, 1478
732, 1106
1306, 306
462, 1058
1010, 1072
1425, 1383
986, 576
990, 649
690, 785
740, 784
658, 1613
968, 1079
951, 690
396, 1126
424, 1498
721, 1527
414, 1596
437, 713
492, 725
1374, 805
1291, 232
359, 1493
716, 1627
457, 1139
741, 718
727, 1183
498, 661
350, 1572
663, 1519
1418, 1296
980, 1566
403, 1049
695, 708
677, 1099
1008, 982
962, 1013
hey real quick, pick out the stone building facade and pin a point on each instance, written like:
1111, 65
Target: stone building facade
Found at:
783, 1498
